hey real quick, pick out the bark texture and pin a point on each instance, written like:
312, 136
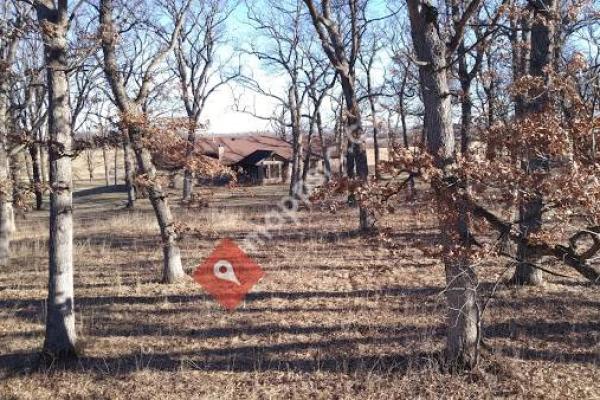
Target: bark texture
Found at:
129, 171
463, 336
60, 338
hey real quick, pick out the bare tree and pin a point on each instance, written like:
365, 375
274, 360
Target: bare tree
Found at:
467, 72
368, 61
280, 25
54, 20
33, 122
11, 28
133, 113
342, 47
199, 67
320, 79
432, 51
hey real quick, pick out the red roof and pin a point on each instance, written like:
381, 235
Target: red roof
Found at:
236, 148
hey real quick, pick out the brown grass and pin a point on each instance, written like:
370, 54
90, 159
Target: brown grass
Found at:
337, 316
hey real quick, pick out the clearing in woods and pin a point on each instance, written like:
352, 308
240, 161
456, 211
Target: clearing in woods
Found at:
336, 316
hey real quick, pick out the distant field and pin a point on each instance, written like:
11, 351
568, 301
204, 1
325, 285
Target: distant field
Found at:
336, 316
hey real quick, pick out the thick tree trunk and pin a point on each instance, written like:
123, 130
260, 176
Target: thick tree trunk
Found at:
463, 336
530, 215
542, 56
60, 308
461, 282
129, 172
36, 162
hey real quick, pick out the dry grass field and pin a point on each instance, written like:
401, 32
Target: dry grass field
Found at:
336, 317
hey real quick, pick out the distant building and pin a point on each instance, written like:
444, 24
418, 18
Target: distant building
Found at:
258, 159
262, 159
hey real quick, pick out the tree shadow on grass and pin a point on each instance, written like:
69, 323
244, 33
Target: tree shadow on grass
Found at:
563, 357
245, 359
141, 242
100, 190
251, 297
106, 328
335, 355
580, 334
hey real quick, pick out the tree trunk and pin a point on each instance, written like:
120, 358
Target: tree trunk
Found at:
461, 282
188, 184
43, 164
188, 176
16, 170
464, 319
28, 168
106, 167
297, 145
60, 315
36, 162
411, 182
129, 108
172, 267
90, 164
5, 190
521, 52
116, 167
6, 210
466, 102
357, 165
324, 149
542, 56
466, 120
129, 172
306, 162
375, 136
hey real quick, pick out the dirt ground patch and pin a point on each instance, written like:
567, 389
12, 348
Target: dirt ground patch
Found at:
336, 316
